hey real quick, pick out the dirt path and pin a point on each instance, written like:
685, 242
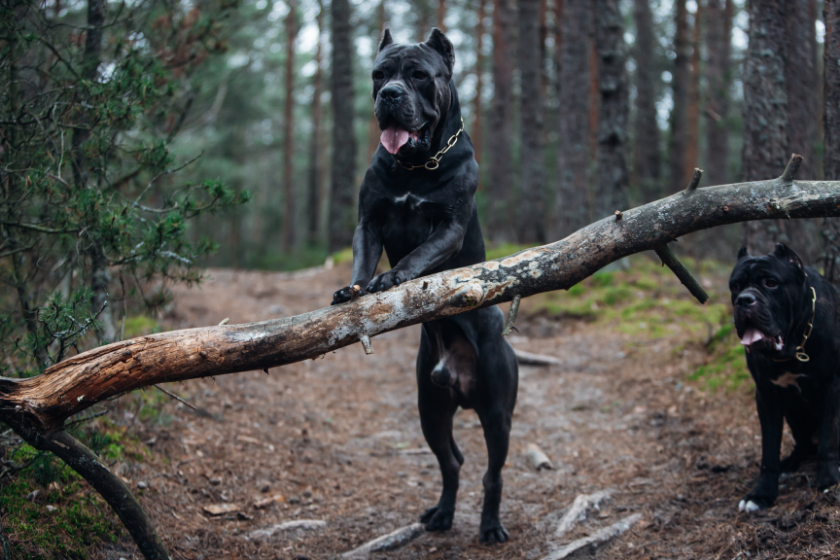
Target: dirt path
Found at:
338, 440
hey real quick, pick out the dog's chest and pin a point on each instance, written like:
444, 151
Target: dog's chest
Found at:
410, 219
788, 380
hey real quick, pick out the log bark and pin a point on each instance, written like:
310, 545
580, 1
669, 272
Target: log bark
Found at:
67, 388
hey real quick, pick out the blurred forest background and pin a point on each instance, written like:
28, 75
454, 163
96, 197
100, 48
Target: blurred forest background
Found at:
143, 140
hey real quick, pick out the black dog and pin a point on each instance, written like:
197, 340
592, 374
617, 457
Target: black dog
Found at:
786, 317
417, 202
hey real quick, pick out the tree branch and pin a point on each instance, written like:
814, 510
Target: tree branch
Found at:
75, 384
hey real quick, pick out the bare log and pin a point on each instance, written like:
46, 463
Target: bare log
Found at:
600, 536
67, 388
391, 541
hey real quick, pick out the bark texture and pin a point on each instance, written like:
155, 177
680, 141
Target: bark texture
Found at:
477, 134
531, 157
766, 138
342, 220
500, 215
647, 161
679, 113
801, 83
719, 76
692, 148
314, 186
288, 131
571, 205
831, 93
611, 168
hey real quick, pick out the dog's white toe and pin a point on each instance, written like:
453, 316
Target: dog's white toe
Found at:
741, 505
748, 506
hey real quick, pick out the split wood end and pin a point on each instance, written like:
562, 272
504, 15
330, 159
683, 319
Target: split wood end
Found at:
618, 215
365, 340
514, 309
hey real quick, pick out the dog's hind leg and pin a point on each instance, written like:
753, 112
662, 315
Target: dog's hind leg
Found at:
828, 450
437, 407
803, 428
496, 424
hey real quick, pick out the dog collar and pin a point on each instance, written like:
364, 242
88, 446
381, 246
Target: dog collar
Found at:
434, 161
800, 350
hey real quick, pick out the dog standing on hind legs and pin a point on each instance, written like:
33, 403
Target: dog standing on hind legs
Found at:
417, 202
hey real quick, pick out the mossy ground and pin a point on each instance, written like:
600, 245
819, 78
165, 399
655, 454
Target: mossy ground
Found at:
49, 512
648, 302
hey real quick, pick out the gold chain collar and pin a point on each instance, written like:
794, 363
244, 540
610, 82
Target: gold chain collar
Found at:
434, 161
800, 350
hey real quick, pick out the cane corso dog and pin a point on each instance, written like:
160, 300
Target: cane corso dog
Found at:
416, 202
786, 317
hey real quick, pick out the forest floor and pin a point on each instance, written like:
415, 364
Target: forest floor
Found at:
650, 401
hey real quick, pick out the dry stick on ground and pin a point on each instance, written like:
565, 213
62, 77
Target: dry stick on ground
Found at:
36, 408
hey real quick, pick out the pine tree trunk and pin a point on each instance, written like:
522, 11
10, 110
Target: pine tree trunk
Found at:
477, 134
441, 15
692, 148
766, 141
500, 209
611, 169
315, 148
831, 123
572, 198
531, 158
718, 74
647, 159
801, 83
288, 131
679, 112
373, 124
342, 217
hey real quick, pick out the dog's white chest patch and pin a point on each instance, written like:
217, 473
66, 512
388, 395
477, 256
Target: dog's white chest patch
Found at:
409, 198
788, 379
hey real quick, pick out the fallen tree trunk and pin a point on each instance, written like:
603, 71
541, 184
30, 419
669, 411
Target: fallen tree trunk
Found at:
36, 408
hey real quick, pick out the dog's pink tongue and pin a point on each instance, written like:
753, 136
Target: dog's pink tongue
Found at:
393, 138
751, 335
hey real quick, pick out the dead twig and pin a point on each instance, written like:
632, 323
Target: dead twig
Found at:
176, 397
514, 309
670, 260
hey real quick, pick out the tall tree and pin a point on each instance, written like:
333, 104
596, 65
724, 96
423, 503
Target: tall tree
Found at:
679, 112
718, 73
343, 172
801, 84
531, 113
692, 148
647, 160
441, 15
373, 124
500, 217
831, 120
477, 134
611, 169
801, 81
766, 141
288, 131
831, 83
314, 183
571, 206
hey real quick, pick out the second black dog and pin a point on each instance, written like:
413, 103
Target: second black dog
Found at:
786, 316
417, 202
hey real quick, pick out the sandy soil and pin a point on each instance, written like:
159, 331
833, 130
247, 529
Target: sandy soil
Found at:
338, 440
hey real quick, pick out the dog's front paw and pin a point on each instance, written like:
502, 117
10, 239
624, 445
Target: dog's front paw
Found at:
753, 502
827, 474
343, 295
493, 532
387, 280
437, 519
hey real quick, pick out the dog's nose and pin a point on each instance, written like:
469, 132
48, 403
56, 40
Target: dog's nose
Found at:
391, 92
745, 300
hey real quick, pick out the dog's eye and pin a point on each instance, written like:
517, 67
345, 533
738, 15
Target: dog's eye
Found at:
378, 75
769, 283
733, 286
418, 75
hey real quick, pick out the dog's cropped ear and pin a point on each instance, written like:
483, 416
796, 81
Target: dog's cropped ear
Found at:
386, 39
438, 41
785, 253
742, 253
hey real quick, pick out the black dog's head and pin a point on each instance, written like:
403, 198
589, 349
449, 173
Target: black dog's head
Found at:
768, 296
411, 91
